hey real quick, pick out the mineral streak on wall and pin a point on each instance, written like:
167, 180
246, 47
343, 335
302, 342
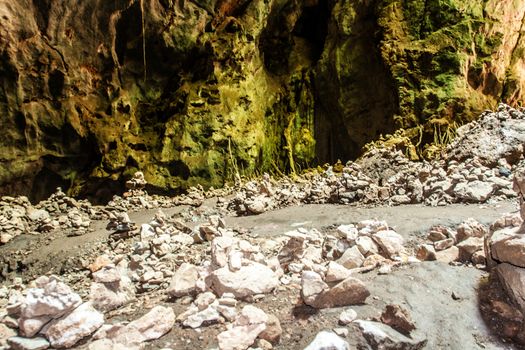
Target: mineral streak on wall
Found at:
192, 91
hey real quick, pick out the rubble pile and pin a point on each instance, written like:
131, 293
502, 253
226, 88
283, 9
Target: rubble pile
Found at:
477, 167
220, 272
465, 244
18, 215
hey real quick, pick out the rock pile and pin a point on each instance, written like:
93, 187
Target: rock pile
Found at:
464, 244
216, 273
18, 215
476, 168
51, 315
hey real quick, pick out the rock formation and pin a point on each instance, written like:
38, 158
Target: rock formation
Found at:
194, 91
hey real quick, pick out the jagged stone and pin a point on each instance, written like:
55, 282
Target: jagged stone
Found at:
81, 322
381, 336
252, 279
184, 281
513, 280
328, 341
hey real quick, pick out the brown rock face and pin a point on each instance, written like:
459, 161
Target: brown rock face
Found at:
97, 90
194, 91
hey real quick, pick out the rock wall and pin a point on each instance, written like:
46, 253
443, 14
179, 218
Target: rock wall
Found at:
193, 91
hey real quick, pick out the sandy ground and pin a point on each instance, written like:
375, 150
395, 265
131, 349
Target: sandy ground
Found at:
424, 289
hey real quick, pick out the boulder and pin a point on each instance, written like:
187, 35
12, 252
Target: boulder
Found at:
348, 232
426, 252
398, 318
66, 332
470, 228
220, 249
382, 336
336, 272
52, 299
443, 244
273, 330
315, 293
474, 192
507, 245
29, 327
512, 279
468, 247
390, 242
107, 274
184, 281
112, 295
312, 285
153, 325
448, 255
252, 279
366, 245
247, 326
204, 317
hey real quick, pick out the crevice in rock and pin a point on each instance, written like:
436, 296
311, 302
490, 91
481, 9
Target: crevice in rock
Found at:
354, 104
43, 7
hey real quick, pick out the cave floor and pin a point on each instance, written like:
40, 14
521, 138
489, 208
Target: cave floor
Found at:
425, 289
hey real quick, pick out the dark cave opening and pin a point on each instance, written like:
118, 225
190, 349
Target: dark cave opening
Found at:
353, 106
46, 182
129, 30
312, 25
56, 83
74, 162
277, 40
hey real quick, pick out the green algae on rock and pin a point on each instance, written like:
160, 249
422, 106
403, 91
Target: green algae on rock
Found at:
192, 92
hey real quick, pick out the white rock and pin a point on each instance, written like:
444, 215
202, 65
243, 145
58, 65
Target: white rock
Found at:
19, 343
328, 341
252, 279
53, 300
153, 325
184, 281
349, 232
110, 296
235, 260
347, 316
351, 258
475, 191
30, 326
66, 332
312, 285
206, 316
37, 214
228, 312
369, 227
366, 245
247, 326
220, 249
336, 272
390, 242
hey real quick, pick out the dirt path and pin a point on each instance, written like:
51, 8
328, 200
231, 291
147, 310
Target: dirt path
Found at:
408, 220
